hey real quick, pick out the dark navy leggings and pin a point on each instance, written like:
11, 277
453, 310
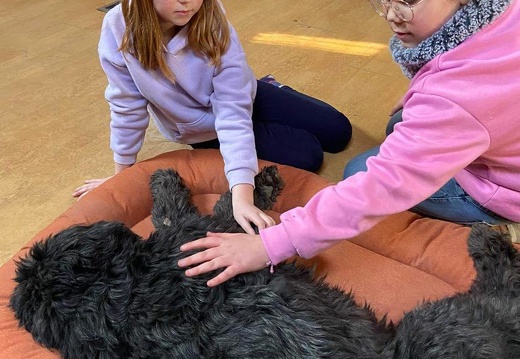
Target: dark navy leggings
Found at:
294, 129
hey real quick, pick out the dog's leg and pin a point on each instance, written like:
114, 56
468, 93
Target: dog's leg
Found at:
171, 199
268, 185
496, 260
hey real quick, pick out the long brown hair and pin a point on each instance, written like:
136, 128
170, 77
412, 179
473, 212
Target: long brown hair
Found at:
208, 34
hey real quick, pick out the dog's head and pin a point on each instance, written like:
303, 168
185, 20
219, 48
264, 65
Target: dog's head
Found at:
59, 274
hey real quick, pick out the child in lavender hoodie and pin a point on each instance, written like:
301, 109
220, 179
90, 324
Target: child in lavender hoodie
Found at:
181, 63
456, 136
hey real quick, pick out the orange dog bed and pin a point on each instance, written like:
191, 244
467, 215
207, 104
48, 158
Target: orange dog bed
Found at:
398, 264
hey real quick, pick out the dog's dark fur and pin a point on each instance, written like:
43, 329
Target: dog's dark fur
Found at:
100, 291
483, 323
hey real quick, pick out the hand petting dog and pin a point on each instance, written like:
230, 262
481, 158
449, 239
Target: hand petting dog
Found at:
237, 252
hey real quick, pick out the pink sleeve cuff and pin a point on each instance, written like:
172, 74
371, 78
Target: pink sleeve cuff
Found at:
277, 244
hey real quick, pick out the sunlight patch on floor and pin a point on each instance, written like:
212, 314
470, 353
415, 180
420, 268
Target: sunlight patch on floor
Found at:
357, 48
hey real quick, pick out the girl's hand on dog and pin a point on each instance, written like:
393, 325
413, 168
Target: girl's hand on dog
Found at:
236, 252
245, 212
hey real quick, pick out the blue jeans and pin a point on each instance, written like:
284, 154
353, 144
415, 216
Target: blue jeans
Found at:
450, 203
294, 129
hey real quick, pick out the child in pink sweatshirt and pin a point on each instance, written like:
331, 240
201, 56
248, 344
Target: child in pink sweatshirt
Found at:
458, 131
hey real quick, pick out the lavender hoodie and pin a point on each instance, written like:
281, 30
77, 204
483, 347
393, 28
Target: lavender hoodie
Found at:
461, 119
205, 102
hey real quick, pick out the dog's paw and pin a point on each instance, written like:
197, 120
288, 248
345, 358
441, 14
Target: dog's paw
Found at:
164, 182
268, 186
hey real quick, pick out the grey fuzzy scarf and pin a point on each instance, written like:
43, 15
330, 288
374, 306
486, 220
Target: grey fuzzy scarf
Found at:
465, 22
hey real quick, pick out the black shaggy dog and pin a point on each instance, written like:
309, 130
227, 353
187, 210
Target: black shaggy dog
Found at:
101, 292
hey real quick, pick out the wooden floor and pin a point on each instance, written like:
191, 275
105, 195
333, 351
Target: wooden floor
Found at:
54, 119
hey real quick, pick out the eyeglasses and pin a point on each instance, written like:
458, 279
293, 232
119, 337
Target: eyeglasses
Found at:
403, 9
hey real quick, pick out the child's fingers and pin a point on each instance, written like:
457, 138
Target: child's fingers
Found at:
202, 243
224, 276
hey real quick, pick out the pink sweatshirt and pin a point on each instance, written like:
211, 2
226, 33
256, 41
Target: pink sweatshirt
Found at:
461, 119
